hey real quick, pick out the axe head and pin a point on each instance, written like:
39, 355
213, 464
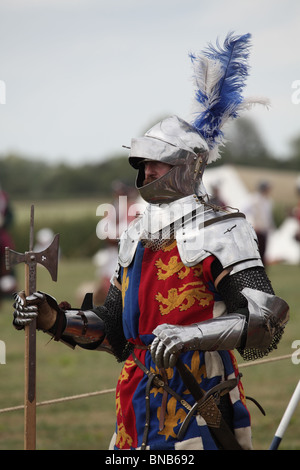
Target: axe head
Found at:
47, 257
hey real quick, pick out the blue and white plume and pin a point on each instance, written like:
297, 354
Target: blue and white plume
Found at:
220, 75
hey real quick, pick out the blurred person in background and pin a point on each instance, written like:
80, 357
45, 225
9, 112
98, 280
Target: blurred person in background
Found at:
296, 209
44, 238
189, 286
106, 258
8, 283
215, 197
259, 212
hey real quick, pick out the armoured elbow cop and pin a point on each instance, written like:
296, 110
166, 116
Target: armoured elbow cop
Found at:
268, 315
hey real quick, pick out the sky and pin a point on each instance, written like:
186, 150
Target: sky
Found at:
80, 78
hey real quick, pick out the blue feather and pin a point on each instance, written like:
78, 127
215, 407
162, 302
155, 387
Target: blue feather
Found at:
220, 97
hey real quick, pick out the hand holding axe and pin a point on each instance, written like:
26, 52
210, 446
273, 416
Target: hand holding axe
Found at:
49, 259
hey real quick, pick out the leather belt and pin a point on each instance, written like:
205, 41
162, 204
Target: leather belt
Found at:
158, 381
206, 406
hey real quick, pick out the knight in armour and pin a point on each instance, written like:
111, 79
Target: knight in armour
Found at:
189, 288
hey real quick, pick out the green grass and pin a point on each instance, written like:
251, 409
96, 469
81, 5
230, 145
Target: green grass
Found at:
61, 371
46, 211
89, 423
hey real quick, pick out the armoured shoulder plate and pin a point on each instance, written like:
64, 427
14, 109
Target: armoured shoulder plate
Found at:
201, 233
129, 241
229, 237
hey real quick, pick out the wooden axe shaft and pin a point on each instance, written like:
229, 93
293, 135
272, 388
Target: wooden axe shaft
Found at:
49, 259
30, 355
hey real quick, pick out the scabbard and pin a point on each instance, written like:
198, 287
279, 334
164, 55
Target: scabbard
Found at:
207, 408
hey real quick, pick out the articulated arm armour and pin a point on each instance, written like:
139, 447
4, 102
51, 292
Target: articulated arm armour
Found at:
267, 315
254, 323
83, 327
98, 328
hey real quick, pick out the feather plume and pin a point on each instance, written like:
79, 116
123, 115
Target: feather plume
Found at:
249, 102
220, 75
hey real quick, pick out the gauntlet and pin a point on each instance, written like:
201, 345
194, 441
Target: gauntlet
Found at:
218, 333
38, 305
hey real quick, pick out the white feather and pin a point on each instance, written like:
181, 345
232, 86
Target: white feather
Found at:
214, 154
246, 105
207, 73
251, 101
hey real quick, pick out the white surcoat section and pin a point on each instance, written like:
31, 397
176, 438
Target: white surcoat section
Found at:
199, 233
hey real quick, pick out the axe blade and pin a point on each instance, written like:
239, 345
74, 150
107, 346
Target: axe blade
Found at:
12, 258
49, 257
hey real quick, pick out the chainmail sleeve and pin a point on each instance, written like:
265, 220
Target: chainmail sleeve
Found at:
111, 314
230, 288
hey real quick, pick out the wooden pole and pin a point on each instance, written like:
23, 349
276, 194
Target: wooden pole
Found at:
49, 259
286, 418
30, 355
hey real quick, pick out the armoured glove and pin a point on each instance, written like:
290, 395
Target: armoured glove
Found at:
38, 305
170, 341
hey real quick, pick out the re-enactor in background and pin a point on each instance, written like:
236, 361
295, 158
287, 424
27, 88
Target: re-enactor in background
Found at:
189, 288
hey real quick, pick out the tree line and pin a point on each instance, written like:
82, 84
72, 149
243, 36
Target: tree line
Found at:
24, 178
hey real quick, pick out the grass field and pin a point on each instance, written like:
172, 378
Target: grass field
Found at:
48, 211
89, 423
61, 372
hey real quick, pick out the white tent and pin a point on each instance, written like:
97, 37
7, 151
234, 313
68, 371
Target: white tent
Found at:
231, 188
282, 246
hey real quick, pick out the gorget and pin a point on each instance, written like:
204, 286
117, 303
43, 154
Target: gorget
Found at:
199, 229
